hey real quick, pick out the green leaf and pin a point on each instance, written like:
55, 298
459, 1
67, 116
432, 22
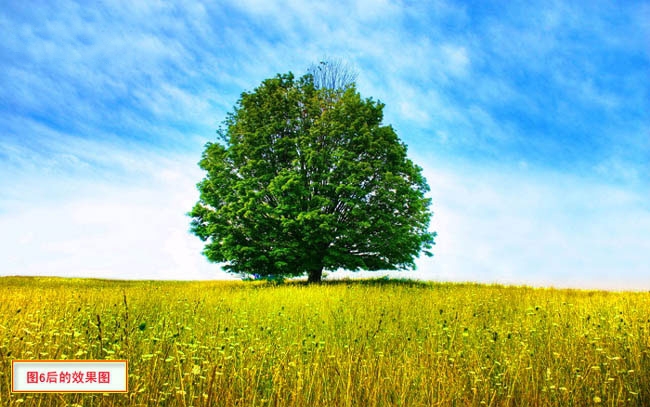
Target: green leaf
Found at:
306, 179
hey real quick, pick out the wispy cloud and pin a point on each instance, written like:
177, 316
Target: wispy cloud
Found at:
538, 121
64, 225
538, 228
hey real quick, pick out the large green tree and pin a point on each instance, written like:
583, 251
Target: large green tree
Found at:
305, 179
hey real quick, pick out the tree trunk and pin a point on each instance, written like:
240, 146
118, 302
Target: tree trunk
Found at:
315, 275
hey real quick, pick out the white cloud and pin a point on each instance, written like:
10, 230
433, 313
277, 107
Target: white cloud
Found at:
85, 77
456, 58
93, 226
536, 228
411, 111
494, 225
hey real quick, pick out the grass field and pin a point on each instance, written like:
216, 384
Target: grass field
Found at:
367, 343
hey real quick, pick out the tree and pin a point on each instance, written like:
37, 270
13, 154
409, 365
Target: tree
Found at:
305, 179
332, 74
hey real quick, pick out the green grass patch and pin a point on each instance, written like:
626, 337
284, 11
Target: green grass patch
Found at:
372, 342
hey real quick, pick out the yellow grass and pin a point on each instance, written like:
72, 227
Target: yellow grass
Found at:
371, 343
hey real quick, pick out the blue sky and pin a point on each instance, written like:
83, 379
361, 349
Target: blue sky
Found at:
531, 121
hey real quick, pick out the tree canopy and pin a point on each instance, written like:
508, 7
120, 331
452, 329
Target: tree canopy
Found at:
307, 178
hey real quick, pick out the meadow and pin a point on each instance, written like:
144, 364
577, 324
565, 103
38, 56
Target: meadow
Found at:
347, 343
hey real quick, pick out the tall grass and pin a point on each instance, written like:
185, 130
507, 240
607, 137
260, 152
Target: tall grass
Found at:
372, 343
